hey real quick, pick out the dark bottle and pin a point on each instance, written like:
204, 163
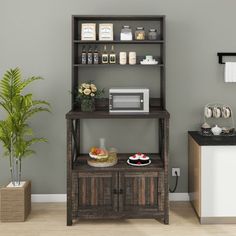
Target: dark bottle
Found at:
90, 56
105, 55
95, 56
83, 56
112, 56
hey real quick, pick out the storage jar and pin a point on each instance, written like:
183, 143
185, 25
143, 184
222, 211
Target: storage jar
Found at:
152, 34
140, 33
126, 33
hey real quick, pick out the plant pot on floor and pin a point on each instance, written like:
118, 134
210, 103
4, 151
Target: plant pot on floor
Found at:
15, 202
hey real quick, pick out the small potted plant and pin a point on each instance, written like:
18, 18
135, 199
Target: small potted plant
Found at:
17, 138
87, 93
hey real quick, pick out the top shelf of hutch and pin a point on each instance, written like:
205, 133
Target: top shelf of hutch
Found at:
119, 17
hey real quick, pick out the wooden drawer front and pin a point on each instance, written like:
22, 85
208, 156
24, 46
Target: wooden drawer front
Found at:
139, 191
95, 192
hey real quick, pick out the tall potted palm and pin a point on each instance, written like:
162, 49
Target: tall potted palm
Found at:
16, 135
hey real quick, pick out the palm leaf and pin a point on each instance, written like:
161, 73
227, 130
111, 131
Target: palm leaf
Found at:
14, 130
30, 80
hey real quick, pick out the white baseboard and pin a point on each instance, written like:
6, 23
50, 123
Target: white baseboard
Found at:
62, 197
179, 197
48, 197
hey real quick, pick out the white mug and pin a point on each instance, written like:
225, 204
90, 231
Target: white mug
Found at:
149, 57
132, 58
123, 58
216, 112
226, 112
208, 112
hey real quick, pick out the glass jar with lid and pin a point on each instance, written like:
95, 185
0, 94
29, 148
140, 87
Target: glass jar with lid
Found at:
140, 33
126, 33
152, 34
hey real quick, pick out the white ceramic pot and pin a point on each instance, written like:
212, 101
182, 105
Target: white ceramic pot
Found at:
216, 130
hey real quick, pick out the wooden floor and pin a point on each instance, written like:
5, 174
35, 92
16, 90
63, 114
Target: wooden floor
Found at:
49, 219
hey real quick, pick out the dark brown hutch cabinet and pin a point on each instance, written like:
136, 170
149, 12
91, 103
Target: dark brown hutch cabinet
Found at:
121, 191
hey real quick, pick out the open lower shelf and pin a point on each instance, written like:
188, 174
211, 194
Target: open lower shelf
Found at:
157, 164
153, 113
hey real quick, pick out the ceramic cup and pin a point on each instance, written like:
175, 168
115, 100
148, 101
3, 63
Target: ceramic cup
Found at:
226, 112
149, 58
132, 58
216, 112
208, 112
123, 58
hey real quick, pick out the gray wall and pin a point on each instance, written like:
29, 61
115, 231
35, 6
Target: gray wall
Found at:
36, 36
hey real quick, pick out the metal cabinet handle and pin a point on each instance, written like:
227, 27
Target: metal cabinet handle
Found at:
115, 191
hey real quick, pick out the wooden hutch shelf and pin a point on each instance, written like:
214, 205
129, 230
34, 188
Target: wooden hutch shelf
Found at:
157, 164
154, 113
111, 65
120, 42
121, 191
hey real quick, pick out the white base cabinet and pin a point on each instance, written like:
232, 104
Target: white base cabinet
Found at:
212, 171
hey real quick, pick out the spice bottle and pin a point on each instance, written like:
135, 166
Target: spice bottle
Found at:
105, 55
90, 56
112, 56
83, 56
95, 56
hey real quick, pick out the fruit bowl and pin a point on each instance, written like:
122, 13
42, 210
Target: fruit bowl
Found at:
98, 153
98, 156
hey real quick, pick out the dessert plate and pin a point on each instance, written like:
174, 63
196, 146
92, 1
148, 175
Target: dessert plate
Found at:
149, 63
146, 164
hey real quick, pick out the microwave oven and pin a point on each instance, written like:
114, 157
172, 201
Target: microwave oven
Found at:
129, 100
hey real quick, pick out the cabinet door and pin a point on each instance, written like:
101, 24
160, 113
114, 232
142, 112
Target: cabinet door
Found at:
95, 194
141, 192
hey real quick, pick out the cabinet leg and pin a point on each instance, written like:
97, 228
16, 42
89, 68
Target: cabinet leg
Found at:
166, 219
69, 221
69, 213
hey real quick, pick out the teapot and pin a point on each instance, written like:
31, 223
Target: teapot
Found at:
216, 130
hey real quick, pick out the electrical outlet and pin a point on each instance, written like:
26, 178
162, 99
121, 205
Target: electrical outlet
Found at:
175, 170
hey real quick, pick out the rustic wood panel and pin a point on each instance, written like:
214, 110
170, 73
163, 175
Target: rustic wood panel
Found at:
94, 192
194, 174
139, 191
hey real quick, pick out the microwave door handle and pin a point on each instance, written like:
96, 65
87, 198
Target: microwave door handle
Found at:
110, 102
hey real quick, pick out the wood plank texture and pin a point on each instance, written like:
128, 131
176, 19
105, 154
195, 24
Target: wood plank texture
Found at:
194, 174
48, 219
